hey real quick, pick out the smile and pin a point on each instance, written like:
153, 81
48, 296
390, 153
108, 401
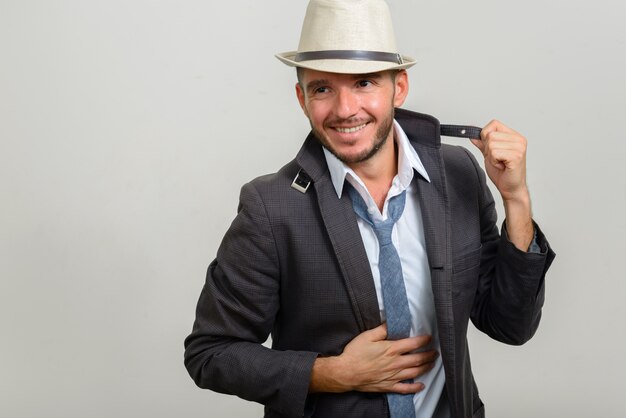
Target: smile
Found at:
350, 130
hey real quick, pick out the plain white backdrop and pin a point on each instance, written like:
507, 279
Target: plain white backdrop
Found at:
128, 127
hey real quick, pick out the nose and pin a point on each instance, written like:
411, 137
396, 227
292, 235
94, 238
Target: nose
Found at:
347, 103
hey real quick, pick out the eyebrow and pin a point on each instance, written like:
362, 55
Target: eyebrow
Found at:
314, 84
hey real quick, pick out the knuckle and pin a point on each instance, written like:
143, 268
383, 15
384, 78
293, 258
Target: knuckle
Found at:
417, 343
412, 373
424, 359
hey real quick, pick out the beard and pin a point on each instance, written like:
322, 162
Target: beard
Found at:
381, 136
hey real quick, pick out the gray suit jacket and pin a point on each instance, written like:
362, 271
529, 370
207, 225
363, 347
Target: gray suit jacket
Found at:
293, 265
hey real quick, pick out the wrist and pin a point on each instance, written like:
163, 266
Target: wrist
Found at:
519, 223
520, 198
326, 376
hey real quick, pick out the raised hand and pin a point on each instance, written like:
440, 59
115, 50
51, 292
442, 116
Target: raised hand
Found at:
505, 163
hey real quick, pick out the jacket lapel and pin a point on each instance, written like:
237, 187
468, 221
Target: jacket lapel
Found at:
423, 133
435, 212
342, 228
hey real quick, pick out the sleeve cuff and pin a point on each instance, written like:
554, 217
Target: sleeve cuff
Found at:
534, 247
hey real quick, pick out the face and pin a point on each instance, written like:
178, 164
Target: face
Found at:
351, 114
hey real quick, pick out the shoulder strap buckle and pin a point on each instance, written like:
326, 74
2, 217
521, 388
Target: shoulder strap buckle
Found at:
302, 181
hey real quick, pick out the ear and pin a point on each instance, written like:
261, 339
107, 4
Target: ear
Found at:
301, 98
401, 88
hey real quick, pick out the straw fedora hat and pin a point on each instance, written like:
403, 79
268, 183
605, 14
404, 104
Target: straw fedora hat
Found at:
347, 36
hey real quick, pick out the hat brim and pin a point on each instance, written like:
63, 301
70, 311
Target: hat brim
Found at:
344, 66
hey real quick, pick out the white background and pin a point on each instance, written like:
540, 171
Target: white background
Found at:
128, 127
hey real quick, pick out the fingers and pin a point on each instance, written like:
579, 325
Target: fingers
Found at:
479, 144
488, 134
376, 334
407, 388
417, 363
402, 380
496, 126
422, 364
407, 345
505, 150
402, 346
501, 146
496, 132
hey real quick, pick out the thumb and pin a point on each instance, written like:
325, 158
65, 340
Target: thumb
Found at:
479, 144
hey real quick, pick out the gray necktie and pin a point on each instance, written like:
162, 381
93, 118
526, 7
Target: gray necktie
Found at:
392, 283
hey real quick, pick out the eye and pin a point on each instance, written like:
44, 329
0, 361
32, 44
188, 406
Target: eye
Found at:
364, 83
321, 90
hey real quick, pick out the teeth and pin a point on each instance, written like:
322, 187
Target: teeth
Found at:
350, 130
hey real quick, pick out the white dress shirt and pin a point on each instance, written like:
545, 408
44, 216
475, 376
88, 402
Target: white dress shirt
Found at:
408, 238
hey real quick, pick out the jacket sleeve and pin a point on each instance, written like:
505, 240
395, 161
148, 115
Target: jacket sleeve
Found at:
236, 313
510, 292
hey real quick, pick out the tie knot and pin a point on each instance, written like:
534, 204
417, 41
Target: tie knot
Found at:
395, 207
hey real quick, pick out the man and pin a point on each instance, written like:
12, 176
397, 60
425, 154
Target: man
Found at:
366, 322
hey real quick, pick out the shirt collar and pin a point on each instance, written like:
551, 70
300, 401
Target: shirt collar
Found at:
408, 160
